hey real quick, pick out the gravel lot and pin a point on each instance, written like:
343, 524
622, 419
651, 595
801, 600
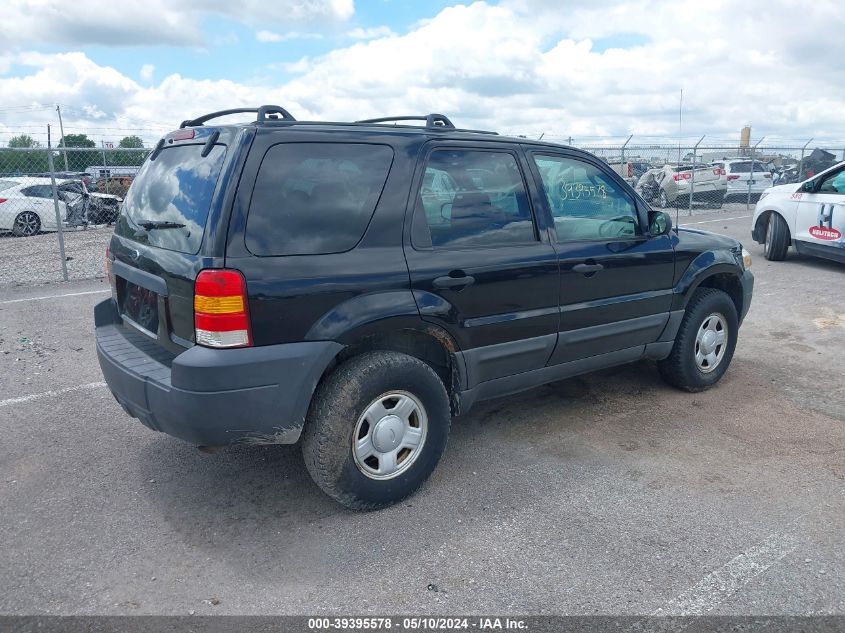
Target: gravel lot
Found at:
611, 493
35, 260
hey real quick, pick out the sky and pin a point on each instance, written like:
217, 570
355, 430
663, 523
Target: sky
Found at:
593, 71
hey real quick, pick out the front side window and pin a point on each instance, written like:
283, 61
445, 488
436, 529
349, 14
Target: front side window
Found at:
833, 183
315, 198
473, 198
586, 203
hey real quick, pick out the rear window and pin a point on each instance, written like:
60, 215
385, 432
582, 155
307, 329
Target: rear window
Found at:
315, 198
176, 187
745, 167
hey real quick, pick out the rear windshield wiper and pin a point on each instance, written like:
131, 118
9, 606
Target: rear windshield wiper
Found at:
160, 224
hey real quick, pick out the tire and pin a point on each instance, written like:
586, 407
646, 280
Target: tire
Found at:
776, 238
708, 310
337, 414
26, 224
664, 201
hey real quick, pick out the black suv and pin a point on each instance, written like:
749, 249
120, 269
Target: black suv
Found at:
355, 285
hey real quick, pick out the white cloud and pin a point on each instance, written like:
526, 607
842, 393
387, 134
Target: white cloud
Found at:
527, 67
272, 36
152, 22
147, 71
370, 33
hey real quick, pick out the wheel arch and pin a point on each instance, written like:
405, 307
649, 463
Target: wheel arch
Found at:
758, 233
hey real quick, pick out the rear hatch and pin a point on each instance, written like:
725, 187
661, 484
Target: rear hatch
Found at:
172, 224
741, 175
705, 176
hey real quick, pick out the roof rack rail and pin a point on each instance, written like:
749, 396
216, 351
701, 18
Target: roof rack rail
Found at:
431, 120
265, 113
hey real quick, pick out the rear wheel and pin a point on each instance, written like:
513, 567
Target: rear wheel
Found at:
376, 429
776, 242
26, 224
705, 343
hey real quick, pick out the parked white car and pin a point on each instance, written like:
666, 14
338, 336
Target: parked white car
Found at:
26, 205
741, 176
810, 216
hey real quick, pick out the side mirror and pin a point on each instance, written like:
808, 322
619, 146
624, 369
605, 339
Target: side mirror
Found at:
808, 186
659, 223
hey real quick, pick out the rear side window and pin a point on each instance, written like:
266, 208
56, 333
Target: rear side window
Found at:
38, 191
176, 187
472, 199
315, 198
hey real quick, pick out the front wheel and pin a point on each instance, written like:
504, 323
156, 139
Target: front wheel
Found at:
705, 343
776, 242
376, 429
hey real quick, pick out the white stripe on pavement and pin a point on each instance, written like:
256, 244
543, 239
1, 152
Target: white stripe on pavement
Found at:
49, 394
69, 294
739, 217
721, 583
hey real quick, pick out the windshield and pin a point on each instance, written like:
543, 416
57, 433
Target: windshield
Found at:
176, 187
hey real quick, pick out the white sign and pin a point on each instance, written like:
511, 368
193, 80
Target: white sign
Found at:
108, 145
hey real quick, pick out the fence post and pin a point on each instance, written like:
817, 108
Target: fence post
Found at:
751, 173
692, 179
56, 206
801, 162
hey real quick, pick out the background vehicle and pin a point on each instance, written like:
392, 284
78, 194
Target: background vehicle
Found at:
740, 177
354, 285
630, 170
26, 205
809, 216
672, 184
115, 185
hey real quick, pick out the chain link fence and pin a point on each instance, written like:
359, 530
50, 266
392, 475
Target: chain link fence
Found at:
57, 206
57, 209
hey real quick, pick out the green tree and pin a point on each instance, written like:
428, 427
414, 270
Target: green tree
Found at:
77, 161
130, 158
24, 140
15, 163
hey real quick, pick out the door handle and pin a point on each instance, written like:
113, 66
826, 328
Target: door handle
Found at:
453, 282
587, 269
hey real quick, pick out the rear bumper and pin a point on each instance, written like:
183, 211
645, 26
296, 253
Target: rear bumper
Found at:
206, 396
747, 281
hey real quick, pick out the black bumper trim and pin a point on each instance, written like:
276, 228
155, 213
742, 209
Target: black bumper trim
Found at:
212, 397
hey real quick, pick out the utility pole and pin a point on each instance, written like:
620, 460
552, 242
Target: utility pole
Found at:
62, 130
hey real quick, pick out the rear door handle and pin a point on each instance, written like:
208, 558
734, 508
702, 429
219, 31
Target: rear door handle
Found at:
453, 282
587, 269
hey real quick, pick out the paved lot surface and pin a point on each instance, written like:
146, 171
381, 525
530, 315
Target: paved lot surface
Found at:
610, 494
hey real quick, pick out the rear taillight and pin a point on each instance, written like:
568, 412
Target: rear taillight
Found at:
220, 309
108, 265
630, 170
2, 200
719, 172
683, 176
733, 177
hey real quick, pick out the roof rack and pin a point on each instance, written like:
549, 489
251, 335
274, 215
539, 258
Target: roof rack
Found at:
265, 113
431, 120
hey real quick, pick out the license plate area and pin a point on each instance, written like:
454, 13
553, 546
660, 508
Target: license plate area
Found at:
138, 306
